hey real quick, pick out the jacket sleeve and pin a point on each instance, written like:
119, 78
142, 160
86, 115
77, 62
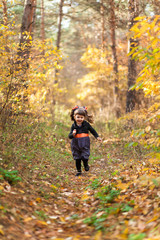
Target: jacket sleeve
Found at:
93, 131
71, 132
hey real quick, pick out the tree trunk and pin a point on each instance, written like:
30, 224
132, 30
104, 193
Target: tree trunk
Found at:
27, 28
156, 7
131, 94
59, 34
5, 15
114, 56
60, 24
102, 25
42, 22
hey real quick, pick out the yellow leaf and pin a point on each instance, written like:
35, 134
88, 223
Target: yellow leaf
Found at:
54, 187
153, 219
158, 156
52, 194
148, 129
145, 169
27, 219
38, 200
59, 238
1, 232
98, 236
123, 186
154, 161
41, 224
124, 235
85, 196
62, 219
21, 191
121, 237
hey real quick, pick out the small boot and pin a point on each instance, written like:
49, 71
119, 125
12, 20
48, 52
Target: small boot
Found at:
85, 163
78, 174
78, 166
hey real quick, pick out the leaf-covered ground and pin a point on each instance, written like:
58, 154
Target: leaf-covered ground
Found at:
119, 198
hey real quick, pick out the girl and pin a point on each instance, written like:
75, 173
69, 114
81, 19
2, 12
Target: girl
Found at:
80, 143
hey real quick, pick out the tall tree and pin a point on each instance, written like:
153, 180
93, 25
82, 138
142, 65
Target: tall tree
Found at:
27, 28
60, 23
42, 21
102, 24
59, 34
114, 54
133, 9
156, 7
5, 15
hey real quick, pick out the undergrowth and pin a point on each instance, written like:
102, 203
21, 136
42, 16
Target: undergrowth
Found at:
29, 147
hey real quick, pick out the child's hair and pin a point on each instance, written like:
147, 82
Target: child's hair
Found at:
81, 111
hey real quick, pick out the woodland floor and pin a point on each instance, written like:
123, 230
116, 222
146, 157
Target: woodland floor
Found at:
54, 203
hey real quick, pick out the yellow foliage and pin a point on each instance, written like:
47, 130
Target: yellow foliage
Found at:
147, 30
97, 87
148, 53
27, 89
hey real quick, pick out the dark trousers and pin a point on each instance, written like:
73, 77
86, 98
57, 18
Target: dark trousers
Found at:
78, 164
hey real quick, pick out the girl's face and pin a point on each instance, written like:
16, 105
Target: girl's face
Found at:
79, 119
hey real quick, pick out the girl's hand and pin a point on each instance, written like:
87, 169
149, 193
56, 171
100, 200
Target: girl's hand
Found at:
99, 139
74, 132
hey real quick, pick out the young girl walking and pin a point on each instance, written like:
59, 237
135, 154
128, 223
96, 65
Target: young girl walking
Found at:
80, 144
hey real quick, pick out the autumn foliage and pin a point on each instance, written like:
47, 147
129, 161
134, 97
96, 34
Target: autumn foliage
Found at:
26, 90
40, 197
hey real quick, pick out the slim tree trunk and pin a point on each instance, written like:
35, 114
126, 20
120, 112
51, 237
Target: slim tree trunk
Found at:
102, 25
156, 7
131, 94
5, 15
59, 34
42, 21
60, 24
5, 20
42, 24
27, 28
114, 55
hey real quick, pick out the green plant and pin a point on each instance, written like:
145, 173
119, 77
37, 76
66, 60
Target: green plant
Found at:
139, 236
126, 208
98, 223
41, 214
75, 216
107, 194
10, 176
95, 184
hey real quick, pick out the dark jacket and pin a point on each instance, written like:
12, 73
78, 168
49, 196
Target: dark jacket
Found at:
85, 128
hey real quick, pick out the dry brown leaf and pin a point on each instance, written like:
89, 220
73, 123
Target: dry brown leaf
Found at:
41, 224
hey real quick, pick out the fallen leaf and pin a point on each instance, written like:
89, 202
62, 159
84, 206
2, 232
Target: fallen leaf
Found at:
123, 186
28, 219
98, 236
1, 231
153, 219
39, 200
85, 196
147, 129
41, 224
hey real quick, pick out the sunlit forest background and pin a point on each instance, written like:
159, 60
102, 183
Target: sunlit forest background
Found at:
55, 55
102, 54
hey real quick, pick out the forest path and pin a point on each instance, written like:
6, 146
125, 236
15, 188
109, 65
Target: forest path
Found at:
49, 207
53, 203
